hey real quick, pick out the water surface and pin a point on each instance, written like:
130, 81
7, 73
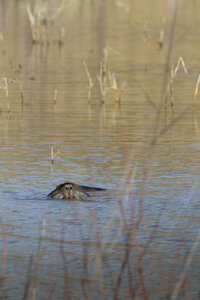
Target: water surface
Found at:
82, 244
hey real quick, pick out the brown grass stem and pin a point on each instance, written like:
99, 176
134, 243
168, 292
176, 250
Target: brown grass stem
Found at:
186, 266
99, 256
180, 210
196, 91
146, 36
67, 289
159, 109
4, 260
38, 265
133, 232
121, 270
27, 284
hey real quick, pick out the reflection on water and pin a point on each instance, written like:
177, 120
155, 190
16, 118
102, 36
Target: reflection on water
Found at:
51, 248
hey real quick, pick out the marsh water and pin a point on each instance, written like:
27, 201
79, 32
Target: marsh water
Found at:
70, 249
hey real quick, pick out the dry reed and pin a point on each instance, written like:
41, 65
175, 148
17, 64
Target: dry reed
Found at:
169, 91
161, 39
40, 20
18, 73
146, 38
90, 81
4, 260
108, 80
4, 86
55, 99
196, 91
103, 75
54, 154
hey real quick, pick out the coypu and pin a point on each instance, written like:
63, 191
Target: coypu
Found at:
69, 190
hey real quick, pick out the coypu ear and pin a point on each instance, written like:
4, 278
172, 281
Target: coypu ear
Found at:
60, 186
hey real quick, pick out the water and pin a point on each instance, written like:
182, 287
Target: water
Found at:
50, 248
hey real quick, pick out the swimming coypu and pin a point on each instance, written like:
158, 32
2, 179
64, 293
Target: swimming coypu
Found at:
69, 190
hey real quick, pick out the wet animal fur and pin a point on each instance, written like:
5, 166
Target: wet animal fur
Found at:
70, 190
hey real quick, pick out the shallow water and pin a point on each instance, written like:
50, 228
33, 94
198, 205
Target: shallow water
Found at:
98, 144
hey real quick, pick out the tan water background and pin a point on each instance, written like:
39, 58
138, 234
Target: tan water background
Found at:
98, 144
